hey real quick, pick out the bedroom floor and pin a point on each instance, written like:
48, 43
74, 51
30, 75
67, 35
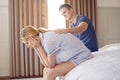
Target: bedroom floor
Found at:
34, 79
28, 79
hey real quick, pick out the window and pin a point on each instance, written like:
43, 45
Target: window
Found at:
55, 19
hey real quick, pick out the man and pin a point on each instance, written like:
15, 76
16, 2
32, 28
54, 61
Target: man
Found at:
80, 26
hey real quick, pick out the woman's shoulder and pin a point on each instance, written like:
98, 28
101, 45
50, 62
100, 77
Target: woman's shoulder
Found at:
53, 35
50, 35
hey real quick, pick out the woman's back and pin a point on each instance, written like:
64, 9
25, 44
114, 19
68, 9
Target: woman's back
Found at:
65, 46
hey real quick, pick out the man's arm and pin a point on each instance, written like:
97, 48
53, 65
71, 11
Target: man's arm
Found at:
79, 29
41, 29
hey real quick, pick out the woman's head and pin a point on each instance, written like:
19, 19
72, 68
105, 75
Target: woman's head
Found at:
28, 31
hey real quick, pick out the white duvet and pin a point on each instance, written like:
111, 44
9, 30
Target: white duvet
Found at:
104, 66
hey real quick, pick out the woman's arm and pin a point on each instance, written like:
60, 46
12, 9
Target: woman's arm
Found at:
41, 60
48, 61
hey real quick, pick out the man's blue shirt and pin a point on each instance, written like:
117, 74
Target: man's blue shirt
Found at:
88, 37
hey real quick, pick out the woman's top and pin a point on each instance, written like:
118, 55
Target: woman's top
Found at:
66, 47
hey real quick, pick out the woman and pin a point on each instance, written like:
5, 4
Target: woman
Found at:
59, 53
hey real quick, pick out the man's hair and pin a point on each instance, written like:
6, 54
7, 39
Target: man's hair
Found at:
68, 6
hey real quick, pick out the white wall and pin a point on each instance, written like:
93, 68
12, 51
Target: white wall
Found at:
108, 3
108, 19
4, 39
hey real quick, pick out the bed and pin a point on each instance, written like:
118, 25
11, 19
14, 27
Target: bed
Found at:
105, 65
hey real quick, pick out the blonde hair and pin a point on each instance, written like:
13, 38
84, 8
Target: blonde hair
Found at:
29, 31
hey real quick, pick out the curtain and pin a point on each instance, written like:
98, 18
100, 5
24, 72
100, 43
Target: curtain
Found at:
24, 61
85, 8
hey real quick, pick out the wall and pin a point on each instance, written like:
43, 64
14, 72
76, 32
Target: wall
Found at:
108, 19
4, 39
108, 3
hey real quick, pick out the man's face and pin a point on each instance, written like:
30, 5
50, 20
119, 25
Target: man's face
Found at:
67, 13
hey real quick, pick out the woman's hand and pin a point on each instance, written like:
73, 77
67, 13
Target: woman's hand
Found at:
34, 42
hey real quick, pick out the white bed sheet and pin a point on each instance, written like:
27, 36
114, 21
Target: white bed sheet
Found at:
104, 66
